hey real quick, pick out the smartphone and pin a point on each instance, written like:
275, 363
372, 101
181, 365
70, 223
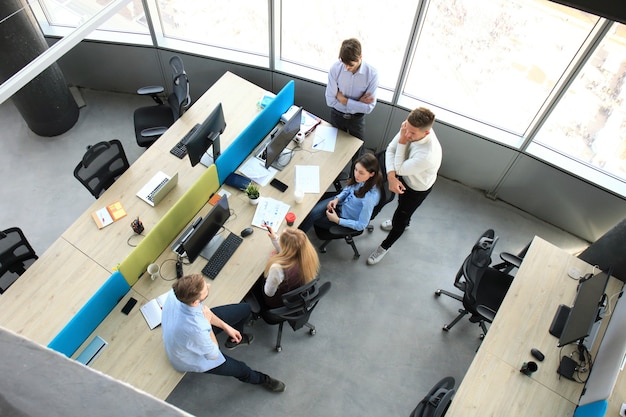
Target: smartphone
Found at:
129, 305
278, 184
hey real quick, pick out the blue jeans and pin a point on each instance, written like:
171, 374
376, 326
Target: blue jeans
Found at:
236, 316
317, 216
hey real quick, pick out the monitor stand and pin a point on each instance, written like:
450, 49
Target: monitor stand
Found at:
208, 251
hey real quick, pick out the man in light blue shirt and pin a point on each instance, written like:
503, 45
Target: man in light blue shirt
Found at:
189, 334
351, 89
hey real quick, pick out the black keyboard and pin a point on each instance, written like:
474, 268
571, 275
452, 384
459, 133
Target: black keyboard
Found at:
222, 255
180, 150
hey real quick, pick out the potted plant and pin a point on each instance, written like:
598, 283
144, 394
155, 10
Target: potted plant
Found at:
253, 193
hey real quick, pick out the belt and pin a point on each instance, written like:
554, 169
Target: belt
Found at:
349, 116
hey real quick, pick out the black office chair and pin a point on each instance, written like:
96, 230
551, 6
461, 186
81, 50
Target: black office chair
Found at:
102, 164
16, 255
437, 401
152, 121
297, 307
483, 286
348, 234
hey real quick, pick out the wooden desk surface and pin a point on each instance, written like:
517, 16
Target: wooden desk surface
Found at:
108, 246
50, 292
135, 354
522, 323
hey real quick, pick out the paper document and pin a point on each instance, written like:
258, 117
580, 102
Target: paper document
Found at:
308, 178
309, 122
152, 310
256, 171
270, 211
325, 138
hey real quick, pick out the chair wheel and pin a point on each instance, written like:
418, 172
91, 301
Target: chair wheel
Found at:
445, 328
312, 332
482, 336
438, 293
355, 257
323, 250
279, 349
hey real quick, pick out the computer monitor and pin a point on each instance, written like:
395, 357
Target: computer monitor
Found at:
206, 230
206, 135
282, 138
584, 312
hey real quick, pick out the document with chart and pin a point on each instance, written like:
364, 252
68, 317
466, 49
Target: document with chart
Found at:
270, 211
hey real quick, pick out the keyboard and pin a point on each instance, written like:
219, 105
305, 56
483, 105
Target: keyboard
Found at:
156, 189
222, 255
180, 150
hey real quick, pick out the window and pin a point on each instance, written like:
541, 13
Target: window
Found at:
497, 61
311, 34
589, 122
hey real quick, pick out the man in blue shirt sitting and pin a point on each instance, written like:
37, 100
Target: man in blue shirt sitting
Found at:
189, 334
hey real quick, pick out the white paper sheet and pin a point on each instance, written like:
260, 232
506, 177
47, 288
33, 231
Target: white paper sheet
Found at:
325, 138
308, 178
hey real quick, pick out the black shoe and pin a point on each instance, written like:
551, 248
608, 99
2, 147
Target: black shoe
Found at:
273, 385
246, 339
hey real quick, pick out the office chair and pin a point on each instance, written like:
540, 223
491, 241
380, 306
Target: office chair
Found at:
483, 286
297, 307
101, 165
152, 121
16, 255
348, 234
437, 401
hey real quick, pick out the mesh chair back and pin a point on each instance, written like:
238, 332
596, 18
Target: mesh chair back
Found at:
16, 254
300, 303
102, 164
476, 264
386, 196
437, 401
179, 100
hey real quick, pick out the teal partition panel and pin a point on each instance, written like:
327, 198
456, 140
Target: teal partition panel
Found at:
252, 135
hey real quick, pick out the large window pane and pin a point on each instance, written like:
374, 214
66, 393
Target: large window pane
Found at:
495, 61
240, 25
73, 13
312, 32
589, 123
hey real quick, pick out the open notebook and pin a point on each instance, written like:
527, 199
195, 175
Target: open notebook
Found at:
152, 310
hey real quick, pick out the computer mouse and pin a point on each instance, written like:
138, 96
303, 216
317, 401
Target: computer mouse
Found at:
247, 232
537, 354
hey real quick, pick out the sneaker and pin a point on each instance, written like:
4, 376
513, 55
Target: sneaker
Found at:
386, 225
273, 385
376, 256
246, 339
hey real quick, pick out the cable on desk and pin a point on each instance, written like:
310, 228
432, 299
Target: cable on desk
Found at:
131, 244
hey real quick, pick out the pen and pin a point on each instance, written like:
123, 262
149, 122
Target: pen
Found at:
319, 143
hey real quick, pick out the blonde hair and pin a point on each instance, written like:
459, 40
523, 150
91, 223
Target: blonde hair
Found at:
296, 249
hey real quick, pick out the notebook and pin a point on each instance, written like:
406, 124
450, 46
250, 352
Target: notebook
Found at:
157, 188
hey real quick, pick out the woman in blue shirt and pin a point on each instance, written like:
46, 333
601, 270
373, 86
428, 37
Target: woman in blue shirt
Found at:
354, 205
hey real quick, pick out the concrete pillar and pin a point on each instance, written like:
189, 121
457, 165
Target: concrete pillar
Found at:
45, 103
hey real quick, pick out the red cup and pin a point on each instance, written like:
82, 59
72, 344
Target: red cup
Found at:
291, 218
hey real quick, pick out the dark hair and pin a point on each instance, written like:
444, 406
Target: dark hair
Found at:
368, 161
188, 288
421, 118
350, 51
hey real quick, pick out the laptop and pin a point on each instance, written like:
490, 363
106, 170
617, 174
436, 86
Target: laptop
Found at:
157, 188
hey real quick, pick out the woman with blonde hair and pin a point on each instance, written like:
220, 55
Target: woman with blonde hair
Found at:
294, 264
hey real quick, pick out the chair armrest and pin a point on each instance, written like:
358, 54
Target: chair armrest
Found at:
511, 259
150, 89
153, 131
486, 312
344, 231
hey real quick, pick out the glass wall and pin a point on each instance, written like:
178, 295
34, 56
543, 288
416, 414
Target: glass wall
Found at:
533, 74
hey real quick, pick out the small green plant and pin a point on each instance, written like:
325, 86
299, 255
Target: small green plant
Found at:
252, 191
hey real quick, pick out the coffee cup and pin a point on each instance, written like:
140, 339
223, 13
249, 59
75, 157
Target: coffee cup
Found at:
153, 270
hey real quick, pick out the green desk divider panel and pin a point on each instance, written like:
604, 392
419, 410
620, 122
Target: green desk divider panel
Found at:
78, 329
252, 135
172, 223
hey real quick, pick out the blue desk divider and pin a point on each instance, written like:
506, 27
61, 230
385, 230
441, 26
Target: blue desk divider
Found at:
90, 315
595, 409
251, 136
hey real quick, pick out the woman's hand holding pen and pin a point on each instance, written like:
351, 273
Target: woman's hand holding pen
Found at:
270, 231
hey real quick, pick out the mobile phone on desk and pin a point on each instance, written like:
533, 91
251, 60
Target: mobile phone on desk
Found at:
279, 185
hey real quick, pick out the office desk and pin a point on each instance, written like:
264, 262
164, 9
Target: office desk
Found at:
135, 354
493, 385
108, 246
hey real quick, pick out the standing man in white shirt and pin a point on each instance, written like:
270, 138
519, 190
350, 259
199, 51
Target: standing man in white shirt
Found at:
351, 89
412, 160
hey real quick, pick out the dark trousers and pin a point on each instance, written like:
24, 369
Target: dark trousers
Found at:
407, 204
354, 126
236, 316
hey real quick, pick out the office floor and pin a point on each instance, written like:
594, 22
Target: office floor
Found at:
379, 346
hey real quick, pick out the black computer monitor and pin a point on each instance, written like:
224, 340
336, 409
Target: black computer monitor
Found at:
206, 135
206, 230
584, 312
282, 138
